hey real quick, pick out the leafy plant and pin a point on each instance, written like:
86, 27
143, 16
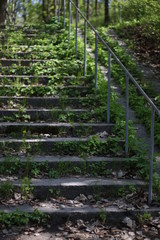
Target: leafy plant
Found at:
6, 189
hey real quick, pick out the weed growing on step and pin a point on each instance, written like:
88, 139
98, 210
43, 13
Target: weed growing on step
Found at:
143, 218
26, 189
122, 192
102, 216
6, 190
10, 165
19, 218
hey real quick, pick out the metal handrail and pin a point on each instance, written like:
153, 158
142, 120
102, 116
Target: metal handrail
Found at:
128, 75
118, 61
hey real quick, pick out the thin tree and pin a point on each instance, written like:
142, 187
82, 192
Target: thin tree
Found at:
3, 6
88, 6
24, 11
106, 12
55, 7
96, 8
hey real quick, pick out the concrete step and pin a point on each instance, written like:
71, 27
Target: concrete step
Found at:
9, 79
46, 90
26, 35
48, 102
20, 62
64, 146
55, 161
27, 30
46, 115
23, 47
32, 54
56, 129
28, 40
72, 187
113, 215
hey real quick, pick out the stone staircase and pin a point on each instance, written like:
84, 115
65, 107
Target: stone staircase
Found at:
52, 135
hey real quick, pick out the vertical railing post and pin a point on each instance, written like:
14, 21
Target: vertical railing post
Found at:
109, 87
59, 4
96, 59
85, 47
69, 37
76, 30
64, 5
127, 115
151, 157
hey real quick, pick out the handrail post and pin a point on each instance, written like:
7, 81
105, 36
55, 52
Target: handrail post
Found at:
127, 115
151, 157
76, 31
69, 37
59, 3
64, 5
96, 59
85, 47
109, 87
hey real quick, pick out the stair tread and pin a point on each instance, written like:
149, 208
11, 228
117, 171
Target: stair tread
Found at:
3, 124
45, 110
40, 85
81, 181
49, 208
49, 158
57, 139
45, 97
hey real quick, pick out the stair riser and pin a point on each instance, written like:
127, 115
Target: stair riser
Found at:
28, 31
28, 40
114, 218
45, 90
71, 192
62, 147
48, 116
28, 55
25, 63
63, 131
27, 36
46, 102
27, 80
61, 168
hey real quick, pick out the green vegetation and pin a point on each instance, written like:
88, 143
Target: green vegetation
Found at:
143, 218
136, 101
11, 166
20, 218
57, 73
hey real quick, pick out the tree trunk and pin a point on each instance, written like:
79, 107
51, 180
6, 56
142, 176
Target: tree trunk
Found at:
55, 7
24, 11
96, 8
29, 8
88, 5
44, 11
106, 13
84, 7
48, 11
3, 5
